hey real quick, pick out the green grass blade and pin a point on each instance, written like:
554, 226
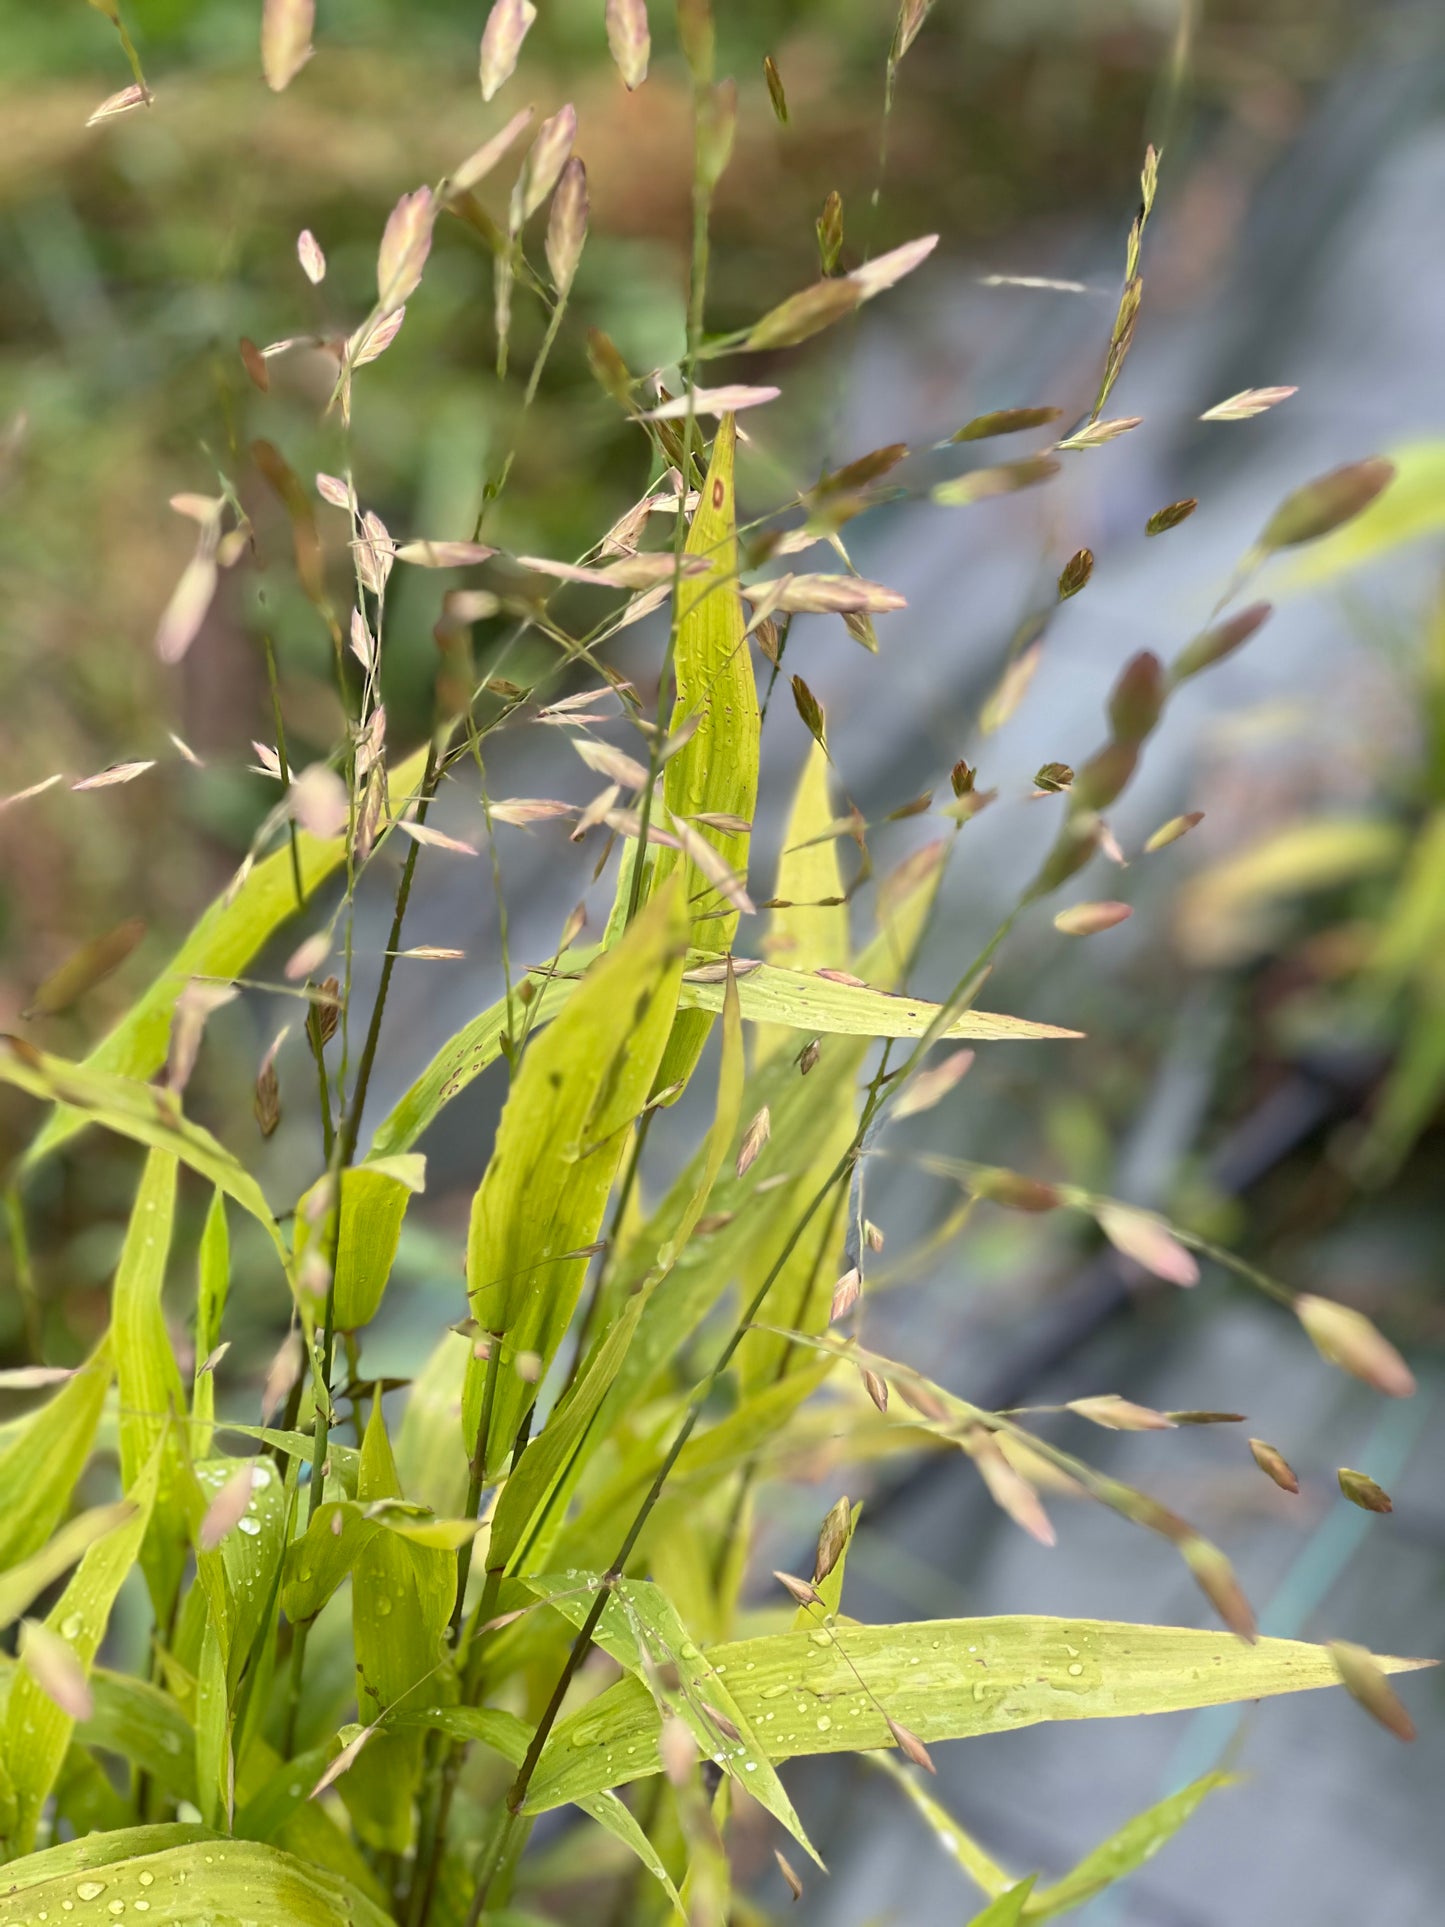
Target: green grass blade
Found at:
139, 1111
175, 1876
582, 1083
45, 1457
1136, 1842
212, 1284
37, 1731
228, 936
530, 1494
215, 1768
944, 1679
19, 1584
473, 1049
716, 770
148, 1380
810, 930
535, 1496
430, 1456
960, 1846
374, 1198
803, 1001
401, 1603
750, 1222
1008, 1909
641, 1630
508, 1735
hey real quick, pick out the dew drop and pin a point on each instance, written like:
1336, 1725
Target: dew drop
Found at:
383, 1605
90, 1890
1076, 1670
72, 1626
249, 1526
823, 1722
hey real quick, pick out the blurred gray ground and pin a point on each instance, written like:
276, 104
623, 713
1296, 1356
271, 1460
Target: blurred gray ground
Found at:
1338, 286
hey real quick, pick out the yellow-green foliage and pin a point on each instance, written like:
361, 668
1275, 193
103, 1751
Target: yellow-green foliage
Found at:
354, 1636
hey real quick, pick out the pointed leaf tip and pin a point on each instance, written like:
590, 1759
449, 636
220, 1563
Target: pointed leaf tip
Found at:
286, 27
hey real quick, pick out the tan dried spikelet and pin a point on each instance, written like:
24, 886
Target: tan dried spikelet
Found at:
909, 1743
286, 27
567, 224
754, 1138
507, 27
629, 40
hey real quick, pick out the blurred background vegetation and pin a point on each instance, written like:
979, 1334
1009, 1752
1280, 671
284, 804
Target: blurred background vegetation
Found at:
1267, 1046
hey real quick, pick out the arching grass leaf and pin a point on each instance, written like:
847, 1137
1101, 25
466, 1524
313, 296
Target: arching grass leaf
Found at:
641, 1630
177, 1875
982, 1869
476, 1046
746, 1224
45, 1456
1135, 1843
1008, 1909
809, 1001
19, 1584
374, 1198
926, 1675
401, 1602
223, 942
715, 773
430, 1456
808, 930
37, 1732
504, 1733
212, 1285
148, 1380
134, 1110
